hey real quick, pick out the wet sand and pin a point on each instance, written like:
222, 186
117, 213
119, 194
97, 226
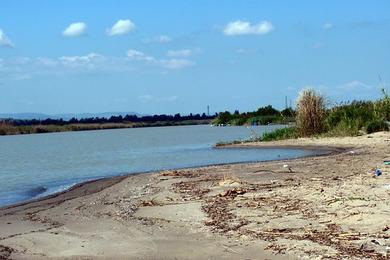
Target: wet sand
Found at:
325, 207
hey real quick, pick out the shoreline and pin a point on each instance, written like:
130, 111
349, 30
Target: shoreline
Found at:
112, 180
326, 206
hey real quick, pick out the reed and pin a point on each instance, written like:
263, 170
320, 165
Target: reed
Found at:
311, 112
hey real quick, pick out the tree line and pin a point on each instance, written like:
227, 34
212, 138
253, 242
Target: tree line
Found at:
113, 119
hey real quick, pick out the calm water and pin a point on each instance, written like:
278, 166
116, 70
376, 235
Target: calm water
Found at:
40, 164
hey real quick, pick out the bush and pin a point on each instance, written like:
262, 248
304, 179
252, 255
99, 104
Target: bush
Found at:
311, 113
349, 119
280, 134
382, 107
376, 126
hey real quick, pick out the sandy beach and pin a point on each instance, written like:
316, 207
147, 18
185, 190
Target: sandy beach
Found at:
324, 207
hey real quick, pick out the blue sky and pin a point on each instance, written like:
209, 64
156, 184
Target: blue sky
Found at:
180, 56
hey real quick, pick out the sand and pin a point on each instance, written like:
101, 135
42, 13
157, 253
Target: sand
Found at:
325, 207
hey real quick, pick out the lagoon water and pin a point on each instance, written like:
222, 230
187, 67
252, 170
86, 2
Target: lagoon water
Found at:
40, 164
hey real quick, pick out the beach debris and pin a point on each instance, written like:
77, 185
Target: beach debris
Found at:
229, 182
193, 189
375, 172
150, 203
5, 252
386, 162
286, 166
378, 172
233, 192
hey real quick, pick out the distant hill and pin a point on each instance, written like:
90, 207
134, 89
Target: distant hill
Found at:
67, 116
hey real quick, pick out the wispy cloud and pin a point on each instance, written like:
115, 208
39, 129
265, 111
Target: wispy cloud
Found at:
355, 85
347, 91
163, 39
121, 27
139, 56
176, 63
4, 40
327, 26
89, 61
22, 68
75, 29
179, 53
245, 28
172, 63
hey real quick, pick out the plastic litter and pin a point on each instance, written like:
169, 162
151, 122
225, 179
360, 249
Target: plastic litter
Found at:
378, 172
387, 162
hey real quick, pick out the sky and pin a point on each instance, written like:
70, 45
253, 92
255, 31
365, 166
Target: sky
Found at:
156, 57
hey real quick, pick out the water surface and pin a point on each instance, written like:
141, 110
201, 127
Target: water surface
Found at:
40, 164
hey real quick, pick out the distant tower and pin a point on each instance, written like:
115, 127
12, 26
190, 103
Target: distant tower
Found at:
208, 110
286, 102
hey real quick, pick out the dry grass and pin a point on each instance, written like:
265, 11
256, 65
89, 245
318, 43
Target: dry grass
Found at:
311, 112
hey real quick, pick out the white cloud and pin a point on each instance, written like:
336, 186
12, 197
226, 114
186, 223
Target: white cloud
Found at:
179, 53
176, 63
21, 68
47, 62
327, 26
4, 40
244, 28
90, 60
146, 98
75, 29
159, 39
140, 56
164, 38
165, 63
121, 27
355, 85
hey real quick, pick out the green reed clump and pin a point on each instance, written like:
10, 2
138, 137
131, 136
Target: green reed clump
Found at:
350, 119
280, 134
359, 117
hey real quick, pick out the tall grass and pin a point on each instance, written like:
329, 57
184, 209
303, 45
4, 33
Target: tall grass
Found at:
311, 112
280, 134
382, 107
348, 119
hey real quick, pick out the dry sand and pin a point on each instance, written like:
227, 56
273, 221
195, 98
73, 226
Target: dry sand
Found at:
327, 207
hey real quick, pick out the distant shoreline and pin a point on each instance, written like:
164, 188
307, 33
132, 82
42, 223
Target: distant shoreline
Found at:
6, 129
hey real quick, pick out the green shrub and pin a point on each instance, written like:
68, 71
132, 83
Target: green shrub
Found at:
354, 115
382, 107
376, 126
280, 134
346, 127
